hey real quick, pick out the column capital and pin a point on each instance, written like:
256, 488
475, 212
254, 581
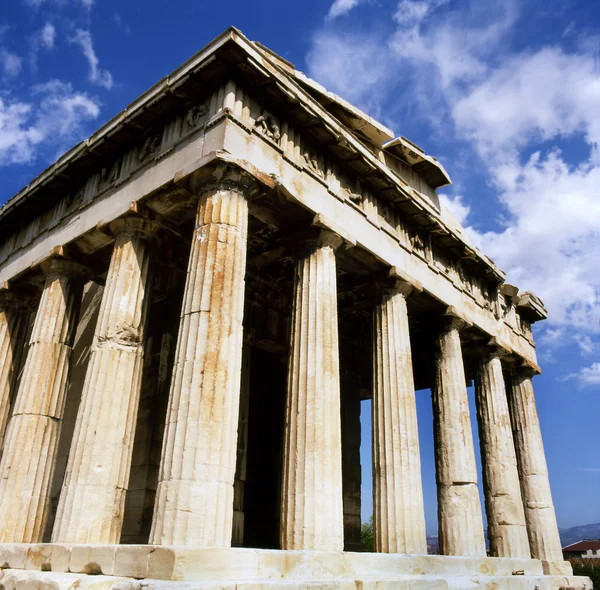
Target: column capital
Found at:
398, 281
315, 238
452, 320
491, 349
524, 370
223, 177
134, 226
61, 267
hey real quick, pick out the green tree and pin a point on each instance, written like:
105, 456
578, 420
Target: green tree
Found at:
587, 567
366, 536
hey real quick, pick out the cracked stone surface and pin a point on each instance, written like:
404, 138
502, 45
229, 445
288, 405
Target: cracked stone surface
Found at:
398, 513
32, 435
194, 502
311, 505
542, 528
12, 333
459, 508
93, 495
507, 531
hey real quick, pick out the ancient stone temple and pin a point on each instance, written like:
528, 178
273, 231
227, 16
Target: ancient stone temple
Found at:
193, 303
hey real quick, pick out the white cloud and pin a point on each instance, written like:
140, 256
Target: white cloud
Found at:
11, 63
586, 345
349, 58
587, 377
48, 121
551, 238
341, 7
533, 97
96, 75
457, 207
47, 36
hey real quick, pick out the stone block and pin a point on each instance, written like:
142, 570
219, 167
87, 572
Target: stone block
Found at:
161, 563
48, 557
13, 555
93, 559
132, 561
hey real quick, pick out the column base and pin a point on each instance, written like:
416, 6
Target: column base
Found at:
153, 567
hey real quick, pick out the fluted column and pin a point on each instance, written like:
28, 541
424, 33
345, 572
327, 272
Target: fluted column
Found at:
194, 503
32, 436
542, 528
13, 320
398, 514
504, 507
92, 499
311, 506
459, 509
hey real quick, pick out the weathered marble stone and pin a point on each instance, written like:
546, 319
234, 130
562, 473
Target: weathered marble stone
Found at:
398, 513
459, 509
32, 435
13, 319
504, 506
311, 502
542, 528
194, 502
93, 494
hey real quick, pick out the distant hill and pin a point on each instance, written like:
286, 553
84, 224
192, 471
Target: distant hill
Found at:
578, 533
567, 536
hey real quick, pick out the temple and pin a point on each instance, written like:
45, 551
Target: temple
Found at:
193, 303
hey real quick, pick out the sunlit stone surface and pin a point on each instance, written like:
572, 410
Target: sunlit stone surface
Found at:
260, 260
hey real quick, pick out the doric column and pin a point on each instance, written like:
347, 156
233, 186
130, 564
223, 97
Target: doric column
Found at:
542, 529
194, 502
32, 436
13, 321
398, 514
504, 507
93, 494
459, 509
311, 499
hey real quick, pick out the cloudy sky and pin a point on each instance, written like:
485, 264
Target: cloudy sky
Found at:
506, 93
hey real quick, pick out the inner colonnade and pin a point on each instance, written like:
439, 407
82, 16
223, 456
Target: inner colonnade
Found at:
236, 368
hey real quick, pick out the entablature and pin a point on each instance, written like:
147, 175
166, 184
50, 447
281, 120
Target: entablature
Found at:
181, 125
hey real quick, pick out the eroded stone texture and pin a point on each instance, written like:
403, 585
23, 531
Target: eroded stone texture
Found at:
504, 507
311, 502
93, 495
194, 502
32, 435
459, 509
398, 513
542, 528
13, 320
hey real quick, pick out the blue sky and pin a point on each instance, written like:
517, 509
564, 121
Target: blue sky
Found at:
506, 93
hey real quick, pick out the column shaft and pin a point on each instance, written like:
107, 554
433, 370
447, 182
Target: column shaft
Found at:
398, 513
92, 499
542, 529
459, 508
32, 435
311, 508
506, 518
194, 503
13, 322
